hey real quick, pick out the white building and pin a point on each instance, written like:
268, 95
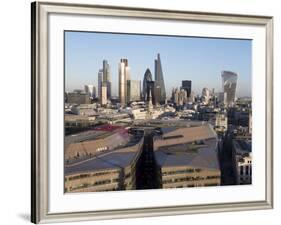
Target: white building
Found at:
90, 90
83, 109
242, 161
229, 83
205, 95
124, 75
103, 94
221, 122
250, 123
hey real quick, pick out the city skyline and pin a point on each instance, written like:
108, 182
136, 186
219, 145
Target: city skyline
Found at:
200, 60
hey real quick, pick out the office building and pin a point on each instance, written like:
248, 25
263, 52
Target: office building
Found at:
100, 80
229, 82
98, 172
133, 90
242, 154
187, 157
147, 77
103, 100
106, 77
205, 95
124, 75
221, 123
159, 79
186, 85
90, 90
78, 97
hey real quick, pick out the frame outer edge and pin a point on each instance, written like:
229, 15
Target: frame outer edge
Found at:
269, 112
34, 113
39, 112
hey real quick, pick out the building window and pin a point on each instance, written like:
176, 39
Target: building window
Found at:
247, 170
241, 170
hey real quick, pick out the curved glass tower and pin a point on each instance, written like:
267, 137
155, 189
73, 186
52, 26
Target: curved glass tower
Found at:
147, 78
229, 83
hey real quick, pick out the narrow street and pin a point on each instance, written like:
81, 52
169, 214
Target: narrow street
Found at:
227, 173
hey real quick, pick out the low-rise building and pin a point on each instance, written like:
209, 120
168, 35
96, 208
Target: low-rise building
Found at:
84, 109
221, 122
106, 170
78, 97
187, 157
242, 156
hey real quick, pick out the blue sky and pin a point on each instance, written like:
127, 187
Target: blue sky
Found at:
183, 58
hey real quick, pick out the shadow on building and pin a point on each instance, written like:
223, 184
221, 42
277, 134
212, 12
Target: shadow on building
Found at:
147, 174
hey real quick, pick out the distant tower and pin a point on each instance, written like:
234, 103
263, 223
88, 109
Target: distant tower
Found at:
90, 90
186, 85
229, 83
106, 77
159, 79
100, 79
103, 100
205, 95
133, 90
124, 76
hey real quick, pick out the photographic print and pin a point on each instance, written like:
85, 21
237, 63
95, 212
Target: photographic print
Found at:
156, 111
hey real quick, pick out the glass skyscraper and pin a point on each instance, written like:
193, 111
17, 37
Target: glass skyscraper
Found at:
106, 77
147, 77
186, 85
124, 76
159, 79
229, 83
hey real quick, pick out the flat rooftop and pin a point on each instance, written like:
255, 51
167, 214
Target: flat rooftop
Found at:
108, 160
105, 137
242, 146
192, 146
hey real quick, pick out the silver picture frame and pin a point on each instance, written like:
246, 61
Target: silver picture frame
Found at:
40, 103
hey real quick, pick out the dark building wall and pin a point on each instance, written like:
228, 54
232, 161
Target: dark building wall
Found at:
186, 85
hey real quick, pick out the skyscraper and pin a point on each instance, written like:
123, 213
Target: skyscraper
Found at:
90, 90
124, 75
186, 85
133, 90
106, 77
159, 79
205, 95
147, 77
103, 99
229, 83
100, 79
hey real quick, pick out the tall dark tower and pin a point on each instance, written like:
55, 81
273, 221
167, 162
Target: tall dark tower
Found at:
106, 77
186, 85
159, 79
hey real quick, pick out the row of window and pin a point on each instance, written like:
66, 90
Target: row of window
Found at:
97, 183
245, 170
80, 176
189, 179
197, 170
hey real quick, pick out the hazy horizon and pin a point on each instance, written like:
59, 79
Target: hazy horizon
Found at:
200, 60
